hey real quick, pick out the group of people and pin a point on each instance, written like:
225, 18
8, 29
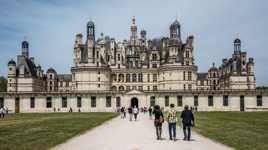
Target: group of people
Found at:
132, 111
187, 122
3, 112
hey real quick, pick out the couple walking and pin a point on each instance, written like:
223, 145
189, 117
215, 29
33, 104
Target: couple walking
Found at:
187, 122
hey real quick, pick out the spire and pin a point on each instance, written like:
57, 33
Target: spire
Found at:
133, 21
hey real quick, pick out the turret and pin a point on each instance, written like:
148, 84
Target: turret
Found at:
91, 41
134, 36
25, 49
250, 66
237, 46
175, 30
78, 46
12, 73
143, 37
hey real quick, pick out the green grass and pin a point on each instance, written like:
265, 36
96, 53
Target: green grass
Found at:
242, 131
43, 131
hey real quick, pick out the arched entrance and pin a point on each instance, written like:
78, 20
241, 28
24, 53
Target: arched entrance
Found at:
134, 102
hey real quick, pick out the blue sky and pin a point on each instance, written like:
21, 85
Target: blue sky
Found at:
50, 27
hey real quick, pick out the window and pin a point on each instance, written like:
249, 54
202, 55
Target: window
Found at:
98, 85
128, 77
154, 88
189, 75
259, 100
118, 102
154, 77
134, 77
32, 102
196, 101
184, 75
152, 100
187, 63
93, 101
128, 88
225, 100
148, 88
118, 66
154, 57
179, 101
187, 54
148, 77
49, 102
154, 66
79, 102
67, 84
210, 100
1, 102
166, 101
50, 76
140, 77
118, 57
190, 86
64, 102
140, 88
108, 101
184, 86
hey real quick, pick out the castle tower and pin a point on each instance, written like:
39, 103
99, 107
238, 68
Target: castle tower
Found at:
25, 48
91, 41
12, 73
174, 42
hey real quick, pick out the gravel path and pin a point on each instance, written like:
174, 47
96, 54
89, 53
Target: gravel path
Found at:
121, 134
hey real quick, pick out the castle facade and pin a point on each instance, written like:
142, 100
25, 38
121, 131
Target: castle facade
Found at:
107, 74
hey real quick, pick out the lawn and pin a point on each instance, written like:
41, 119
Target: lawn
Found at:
240, 130
43, 131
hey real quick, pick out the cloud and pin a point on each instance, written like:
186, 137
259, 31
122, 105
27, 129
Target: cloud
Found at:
50, 26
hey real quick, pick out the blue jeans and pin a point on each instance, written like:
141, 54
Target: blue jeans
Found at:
172, 129
187, 136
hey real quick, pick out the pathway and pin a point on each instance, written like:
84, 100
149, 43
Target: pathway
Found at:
120, 134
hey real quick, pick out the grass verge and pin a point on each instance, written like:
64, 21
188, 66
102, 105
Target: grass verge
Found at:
240, 130
43, 131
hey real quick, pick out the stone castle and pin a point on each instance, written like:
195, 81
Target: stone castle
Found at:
134, 72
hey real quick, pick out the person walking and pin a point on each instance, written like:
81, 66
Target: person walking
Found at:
1, 112
187, 122
172, 120
130, 113
135, 111
159, 119
150, 112
122, 112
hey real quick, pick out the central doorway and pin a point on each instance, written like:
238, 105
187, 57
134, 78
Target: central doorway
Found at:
134, 102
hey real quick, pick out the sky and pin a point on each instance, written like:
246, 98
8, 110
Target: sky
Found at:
50, 27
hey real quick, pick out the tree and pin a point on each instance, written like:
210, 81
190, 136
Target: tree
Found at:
3, 84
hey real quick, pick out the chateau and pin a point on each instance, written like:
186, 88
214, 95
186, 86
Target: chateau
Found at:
108, 74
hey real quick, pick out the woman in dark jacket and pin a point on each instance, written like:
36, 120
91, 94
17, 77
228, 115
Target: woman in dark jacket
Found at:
158, 120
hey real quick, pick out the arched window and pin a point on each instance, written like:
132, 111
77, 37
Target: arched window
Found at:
121, 78
114, 88
113, 77
121, 88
